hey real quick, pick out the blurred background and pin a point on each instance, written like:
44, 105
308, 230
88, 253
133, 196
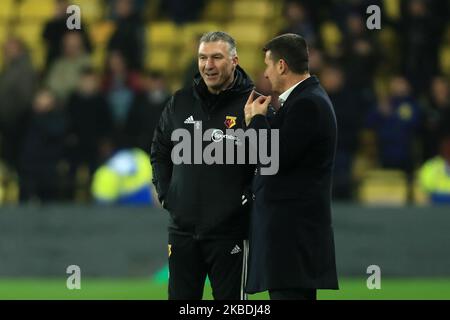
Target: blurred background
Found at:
69, 100
78, 109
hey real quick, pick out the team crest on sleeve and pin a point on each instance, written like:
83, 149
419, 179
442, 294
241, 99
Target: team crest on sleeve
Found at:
230, 122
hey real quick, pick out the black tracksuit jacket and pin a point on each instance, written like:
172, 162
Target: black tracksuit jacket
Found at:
204, 201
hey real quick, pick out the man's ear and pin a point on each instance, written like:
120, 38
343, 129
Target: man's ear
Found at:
235, 60
281, 67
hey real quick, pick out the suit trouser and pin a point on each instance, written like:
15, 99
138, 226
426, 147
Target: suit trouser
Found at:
293, 294
191, 260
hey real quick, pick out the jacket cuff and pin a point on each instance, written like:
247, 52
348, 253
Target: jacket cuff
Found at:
259, 121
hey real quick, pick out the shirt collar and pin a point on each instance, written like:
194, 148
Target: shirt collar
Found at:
283, 97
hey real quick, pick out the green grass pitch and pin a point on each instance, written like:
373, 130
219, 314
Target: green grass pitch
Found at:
146, 289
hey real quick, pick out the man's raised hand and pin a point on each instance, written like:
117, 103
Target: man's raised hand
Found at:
255, 106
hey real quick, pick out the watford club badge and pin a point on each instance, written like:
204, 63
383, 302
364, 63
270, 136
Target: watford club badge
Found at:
230, 122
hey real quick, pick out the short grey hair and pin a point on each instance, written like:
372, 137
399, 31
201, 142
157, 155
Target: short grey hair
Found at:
215, 36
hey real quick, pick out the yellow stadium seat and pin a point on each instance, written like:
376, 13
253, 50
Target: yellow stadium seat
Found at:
36, 9
384, 187
191, 31
251, 59
253, 9
91, 10
386, 175
331, 37
30, 33
217, 10
160, 60
162, 34
9, 187
420, 197
444, 56
6, 9
3, 36
392, 9
248, 33
3, 33
101, 32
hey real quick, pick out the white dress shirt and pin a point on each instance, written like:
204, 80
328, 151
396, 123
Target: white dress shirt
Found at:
283, 97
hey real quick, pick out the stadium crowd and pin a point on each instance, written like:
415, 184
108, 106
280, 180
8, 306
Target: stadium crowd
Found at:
60, 123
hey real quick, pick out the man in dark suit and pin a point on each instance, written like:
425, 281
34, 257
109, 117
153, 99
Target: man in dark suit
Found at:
291, 242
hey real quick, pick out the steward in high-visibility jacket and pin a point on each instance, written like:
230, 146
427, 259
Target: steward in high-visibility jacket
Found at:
434, 176
435, 180
125, 179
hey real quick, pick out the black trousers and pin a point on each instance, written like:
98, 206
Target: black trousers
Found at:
191, 260
293, 294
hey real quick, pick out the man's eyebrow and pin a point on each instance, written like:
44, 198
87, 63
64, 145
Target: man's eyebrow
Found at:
212, 54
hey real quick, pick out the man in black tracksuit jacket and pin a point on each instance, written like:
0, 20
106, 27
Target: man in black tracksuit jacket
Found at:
208, 207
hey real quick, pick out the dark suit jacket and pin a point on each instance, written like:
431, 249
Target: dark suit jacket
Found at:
291, 239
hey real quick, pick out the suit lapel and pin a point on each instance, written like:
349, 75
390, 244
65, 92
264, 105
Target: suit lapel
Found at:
299, 89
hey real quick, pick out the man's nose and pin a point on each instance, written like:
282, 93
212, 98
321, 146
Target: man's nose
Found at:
210, 63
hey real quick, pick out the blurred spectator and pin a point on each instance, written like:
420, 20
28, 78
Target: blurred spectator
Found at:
396, 123
183, 11
420, 43
120, 86
361, 56
64, 74
316, 60
437, 116
146, 110
138, 6
298, 21
89, 123
17, 85
434, 175
339, 11
128, 38
317, 11
54, 31
42, 150
348, 116
124, 180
